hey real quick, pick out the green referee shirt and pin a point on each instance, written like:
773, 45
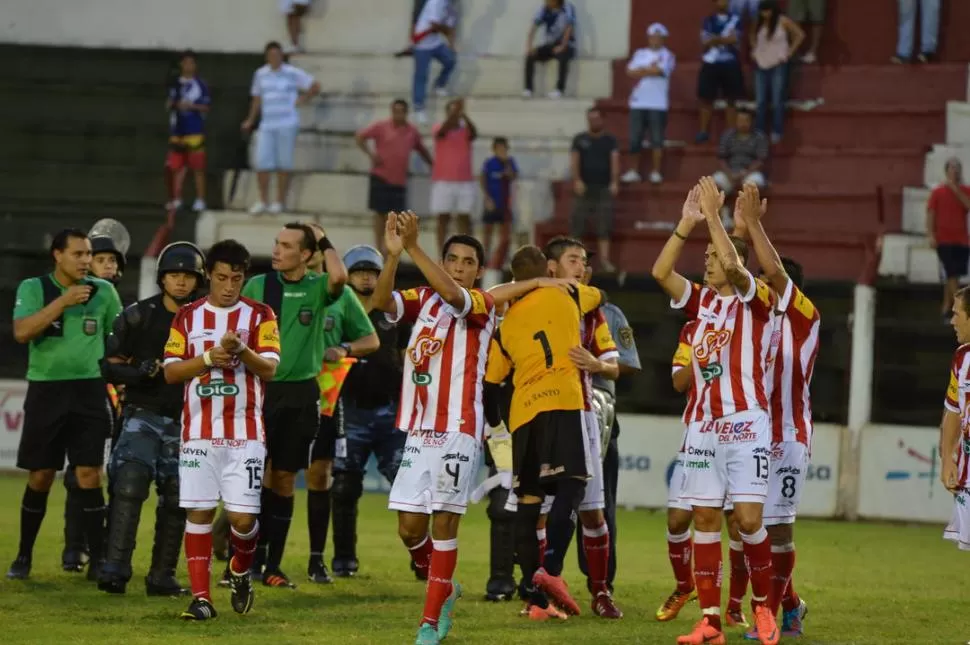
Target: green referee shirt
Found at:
346, 320
73, 346
301, 322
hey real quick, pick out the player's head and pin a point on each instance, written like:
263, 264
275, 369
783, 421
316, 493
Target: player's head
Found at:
961, 315
463, 258
273, 53
529, 262
226, 265
187, 63
71, 251
180, 271
500, 147
714, 274
566, 257
294, 247
364, 264
399, 111
954, 170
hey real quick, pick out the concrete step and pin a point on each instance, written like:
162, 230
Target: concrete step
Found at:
958, 123
914, 210
319, 192
474, 76
510, 117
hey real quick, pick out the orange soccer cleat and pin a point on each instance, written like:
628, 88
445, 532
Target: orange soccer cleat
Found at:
704, 634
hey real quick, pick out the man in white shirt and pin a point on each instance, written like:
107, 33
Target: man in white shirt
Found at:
434, 39
278, 89
649, 101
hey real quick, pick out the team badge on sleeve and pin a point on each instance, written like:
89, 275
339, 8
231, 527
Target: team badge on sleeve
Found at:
626, 337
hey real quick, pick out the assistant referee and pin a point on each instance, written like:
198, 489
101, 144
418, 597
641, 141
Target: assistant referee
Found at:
291, 412
64, 317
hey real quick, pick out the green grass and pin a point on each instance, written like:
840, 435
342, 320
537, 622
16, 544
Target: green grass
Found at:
865, 583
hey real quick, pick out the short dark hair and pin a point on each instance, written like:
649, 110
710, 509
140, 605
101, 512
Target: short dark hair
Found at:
557, 246
741, 247
794, 270
63, 237
467, 240
500, 141
188, 53
963, 295
402, 103
272, 45
528, 262
309, 241
228, 252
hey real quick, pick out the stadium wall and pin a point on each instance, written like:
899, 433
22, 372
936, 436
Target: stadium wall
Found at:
898, 468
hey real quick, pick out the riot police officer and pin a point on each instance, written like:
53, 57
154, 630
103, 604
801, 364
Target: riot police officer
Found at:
147, 450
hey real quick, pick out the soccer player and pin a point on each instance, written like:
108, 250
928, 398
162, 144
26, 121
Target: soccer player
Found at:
298, 299
64, 317
538, 339
729, 435
440, 408
224, 348
955, 439
791, 365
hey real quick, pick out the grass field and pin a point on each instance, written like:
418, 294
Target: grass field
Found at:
865, 583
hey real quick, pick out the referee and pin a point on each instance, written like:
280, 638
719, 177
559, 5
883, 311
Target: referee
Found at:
291, 412
64, 317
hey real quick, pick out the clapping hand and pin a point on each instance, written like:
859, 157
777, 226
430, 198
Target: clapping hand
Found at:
232, 343
220, 357
392, 236
691, 211
711, 197
407, 226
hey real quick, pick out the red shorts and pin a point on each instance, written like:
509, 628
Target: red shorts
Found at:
178, 159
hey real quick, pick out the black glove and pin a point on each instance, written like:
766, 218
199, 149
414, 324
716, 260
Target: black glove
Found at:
149, 368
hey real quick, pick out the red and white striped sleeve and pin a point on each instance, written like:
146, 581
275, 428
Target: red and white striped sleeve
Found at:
408, 304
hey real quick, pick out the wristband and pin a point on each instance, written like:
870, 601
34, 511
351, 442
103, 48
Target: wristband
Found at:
677, 234
346, 348
207, 358
324, 244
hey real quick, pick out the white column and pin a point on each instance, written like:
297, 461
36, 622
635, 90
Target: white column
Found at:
860, 395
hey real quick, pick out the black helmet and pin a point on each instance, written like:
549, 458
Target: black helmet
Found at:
180, 256
104, 244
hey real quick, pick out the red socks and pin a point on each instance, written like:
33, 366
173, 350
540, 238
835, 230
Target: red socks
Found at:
707, 575
198, 558
757, 550
421, 555
782, 591
679, 548
444, 557
543, 544
739, 576
596, 544
243, 549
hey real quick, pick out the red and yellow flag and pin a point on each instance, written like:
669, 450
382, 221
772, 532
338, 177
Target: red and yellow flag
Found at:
331, 379
115, 399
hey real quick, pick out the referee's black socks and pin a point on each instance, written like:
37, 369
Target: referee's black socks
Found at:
32, 511
92, 499
279, 516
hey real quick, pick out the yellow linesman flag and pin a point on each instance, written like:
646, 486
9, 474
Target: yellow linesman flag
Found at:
331, 379
113, 396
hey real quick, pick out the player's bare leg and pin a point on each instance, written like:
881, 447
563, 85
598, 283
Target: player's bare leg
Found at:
783, 586
757, 552
707, 577
413, 531
679, 551
596, 545
739, 574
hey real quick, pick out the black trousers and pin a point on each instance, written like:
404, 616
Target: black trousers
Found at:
544, 54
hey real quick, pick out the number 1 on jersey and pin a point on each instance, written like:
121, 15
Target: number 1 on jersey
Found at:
544, 341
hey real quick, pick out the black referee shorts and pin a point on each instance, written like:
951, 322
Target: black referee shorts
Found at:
549, 448
291, 414
64, 418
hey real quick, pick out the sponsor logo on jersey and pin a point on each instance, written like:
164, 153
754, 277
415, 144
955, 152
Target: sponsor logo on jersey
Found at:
176, 344
732, 431
216, 387
194, 452
698, 464
269, 335
711, 371
710, 343
189, 463
424, 348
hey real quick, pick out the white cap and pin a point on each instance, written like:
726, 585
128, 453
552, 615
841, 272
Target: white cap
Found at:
657, 29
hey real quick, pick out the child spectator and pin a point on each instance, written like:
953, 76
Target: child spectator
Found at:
649, 101
499, 173
188, 104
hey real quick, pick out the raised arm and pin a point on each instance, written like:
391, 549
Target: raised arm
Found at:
711, 201
333, 265
383, 296
753, 209
674, 284
442, 283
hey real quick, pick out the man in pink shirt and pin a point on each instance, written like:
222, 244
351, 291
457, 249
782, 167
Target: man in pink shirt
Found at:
394, 139
453, 187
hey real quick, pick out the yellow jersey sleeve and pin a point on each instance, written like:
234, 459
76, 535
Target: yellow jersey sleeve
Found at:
499, 365
589, 298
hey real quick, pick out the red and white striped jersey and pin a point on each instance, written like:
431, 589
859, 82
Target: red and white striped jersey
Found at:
682, 360
596, 337
223, 403
958, 402
729, 349
445, 360
791, 362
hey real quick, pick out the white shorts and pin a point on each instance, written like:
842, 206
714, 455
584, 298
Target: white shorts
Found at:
729, 457
595, 498
958, 530
287, 6
675, 493
512, 503
457, 197
789, 467
226, 469
437, 473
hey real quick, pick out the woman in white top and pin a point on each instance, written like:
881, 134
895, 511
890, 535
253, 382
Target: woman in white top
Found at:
278, 89
774, 40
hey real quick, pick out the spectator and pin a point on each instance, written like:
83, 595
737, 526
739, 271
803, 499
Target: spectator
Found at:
650, 101
558, 17
811, 13
499, 173
277, 89
743, 153
434, 39
929, 15
946, 228
775, 39
595, 165
188, 104
453, 188
721, 68
294, 10
745, 9
394, 140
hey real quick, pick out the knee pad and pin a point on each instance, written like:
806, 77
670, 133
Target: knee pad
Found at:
168, 493
70, 478
347, 487
497, 497
133, 481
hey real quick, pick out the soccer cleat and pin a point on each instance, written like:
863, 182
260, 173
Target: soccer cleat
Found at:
791, 621
241, 586
317, 572
604, 606
556, 587
537, 613
19, 569
199, 609
447, 617
765, 626
427, 635
703, 634
674, 603
735, 618
277, 579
